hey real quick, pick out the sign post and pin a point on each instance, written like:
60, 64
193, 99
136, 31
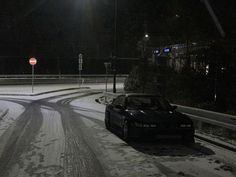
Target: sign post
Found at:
80, 61
32, 62
108, 67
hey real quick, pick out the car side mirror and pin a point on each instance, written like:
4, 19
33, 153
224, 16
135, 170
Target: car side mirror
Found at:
119, 107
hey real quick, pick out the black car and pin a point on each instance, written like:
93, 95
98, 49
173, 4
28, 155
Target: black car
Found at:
137, 115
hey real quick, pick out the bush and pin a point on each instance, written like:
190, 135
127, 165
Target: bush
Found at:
132, 82
142, 78
188, 88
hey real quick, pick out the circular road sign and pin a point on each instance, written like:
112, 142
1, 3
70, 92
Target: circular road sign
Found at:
32, 61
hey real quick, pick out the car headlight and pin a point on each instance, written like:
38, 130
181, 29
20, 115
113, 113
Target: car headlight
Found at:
153, 125
138, 124
185, 125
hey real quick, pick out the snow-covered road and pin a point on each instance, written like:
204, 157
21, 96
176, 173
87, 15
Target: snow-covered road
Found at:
63, 135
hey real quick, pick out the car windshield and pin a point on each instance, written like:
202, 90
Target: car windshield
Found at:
151, 103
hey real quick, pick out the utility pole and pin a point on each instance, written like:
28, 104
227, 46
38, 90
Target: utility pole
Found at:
214, 18
222, 33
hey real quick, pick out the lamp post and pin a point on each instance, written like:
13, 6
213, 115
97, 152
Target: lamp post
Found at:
145, 41
115, 47
142, 45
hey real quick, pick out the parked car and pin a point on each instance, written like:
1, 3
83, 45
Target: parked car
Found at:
138, 115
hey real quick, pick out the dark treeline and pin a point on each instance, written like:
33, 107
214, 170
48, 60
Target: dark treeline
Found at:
52, 29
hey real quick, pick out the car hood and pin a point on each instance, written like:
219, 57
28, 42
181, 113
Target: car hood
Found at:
152, 116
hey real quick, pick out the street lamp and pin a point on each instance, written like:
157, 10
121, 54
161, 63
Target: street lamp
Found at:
146, 36
144, 44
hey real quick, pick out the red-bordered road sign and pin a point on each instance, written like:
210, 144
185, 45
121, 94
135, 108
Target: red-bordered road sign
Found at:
32, 61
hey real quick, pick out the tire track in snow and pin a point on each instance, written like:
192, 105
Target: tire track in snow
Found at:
24, 132
79, 159
45, 157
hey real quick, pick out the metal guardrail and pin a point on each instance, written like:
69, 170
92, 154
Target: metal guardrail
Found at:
56, 76
214, 118
60, 79
215, 127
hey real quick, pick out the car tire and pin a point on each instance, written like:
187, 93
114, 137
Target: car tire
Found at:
126, 131
107, 121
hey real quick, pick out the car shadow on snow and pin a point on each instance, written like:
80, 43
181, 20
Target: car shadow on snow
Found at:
169, 147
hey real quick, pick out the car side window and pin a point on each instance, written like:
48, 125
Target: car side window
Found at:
119, 101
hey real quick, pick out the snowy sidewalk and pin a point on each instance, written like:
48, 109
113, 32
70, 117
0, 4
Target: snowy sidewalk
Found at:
26, 90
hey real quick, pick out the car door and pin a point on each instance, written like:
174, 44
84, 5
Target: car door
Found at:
117, 112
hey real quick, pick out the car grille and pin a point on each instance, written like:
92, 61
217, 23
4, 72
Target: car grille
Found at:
167, 125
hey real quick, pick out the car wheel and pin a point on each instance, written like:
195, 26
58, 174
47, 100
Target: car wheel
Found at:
126, 131
107, 121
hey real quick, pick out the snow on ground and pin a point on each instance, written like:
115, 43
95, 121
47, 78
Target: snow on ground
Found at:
45, 91
27, 89
9, 111
38, 89
46, 154
222, 153
71, 94
88, 107
115, 154
119, 158
200, 166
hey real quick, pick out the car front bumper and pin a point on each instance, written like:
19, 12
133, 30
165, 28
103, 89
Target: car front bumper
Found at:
160, 132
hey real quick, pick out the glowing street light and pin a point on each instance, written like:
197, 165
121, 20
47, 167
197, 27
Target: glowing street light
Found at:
146, 35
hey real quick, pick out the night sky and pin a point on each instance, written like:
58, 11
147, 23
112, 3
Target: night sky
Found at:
57, 31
